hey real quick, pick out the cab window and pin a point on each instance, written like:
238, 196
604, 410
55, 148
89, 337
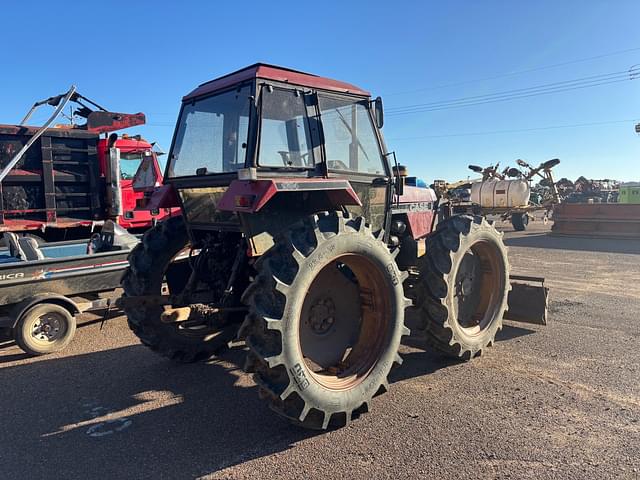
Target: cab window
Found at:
350, 140
285, 139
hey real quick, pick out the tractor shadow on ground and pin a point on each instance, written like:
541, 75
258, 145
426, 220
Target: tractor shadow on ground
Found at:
133, 414
546, 240
422, 360
509, 332
166, 420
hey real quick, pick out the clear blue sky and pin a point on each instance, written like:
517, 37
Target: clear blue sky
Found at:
143, 56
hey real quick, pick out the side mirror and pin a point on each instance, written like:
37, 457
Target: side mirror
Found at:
475, 168
379, 112
399, 184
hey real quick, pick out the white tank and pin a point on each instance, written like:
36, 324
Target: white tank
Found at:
501, 193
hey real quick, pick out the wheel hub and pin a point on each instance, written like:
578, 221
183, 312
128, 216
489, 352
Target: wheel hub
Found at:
322, 316
330, 317
465, 286
46, 329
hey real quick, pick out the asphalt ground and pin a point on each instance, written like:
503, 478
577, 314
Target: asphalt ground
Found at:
560, 401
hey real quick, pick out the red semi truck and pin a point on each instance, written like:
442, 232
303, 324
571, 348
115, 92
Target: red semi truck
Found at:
63, 181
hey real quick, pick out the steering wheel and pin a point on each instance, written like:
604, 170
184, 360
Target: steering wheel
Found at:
337, 165
285, 154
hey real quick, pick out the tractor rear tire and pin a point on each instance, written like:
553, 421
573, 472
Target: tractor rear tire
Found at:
326, 316
519, 221
148, 265
462, 287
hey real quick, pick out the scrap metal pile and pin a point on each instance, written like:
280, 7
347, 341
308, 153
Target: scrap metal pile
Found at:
598, 208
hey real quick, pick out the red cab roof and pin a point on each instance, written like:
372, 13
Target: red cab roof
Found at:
280, 74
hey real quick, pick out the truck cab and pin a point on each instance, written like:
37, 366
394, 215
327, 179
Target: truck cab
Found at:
123, 155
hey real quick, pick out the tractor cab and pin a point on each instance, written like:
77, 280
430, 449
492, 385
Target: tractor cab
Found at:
268, 139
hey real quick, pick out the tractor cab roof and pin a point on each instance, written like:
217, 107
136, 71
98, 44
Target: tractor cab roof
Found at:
274, 73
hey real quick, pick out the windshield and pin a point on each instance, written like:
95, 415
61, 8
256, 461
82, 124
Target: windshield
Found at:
212, 134
129, 163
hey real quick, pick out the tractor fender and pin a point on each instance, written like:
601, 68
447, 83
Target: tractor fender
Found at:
251, 196
416, 207
20, 308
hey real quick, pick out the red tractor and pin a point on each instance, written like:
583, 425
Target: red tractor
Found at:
300, 235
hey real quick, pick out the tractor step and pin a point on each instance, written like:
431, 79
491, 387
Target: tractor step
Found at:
528, 300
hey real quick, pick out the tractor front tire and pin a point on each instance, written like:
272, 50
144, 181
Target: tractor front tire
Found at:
462, 287
326, 316
148, 265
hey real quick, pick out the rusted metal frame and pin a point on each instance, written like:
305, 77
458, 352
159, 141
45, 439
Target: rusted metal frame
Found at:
38, 134
179, 300
92, 164
240, 255
48, 180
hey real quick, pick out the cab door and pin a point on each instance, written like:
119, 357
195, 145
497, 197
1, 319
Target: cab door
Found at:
352, 150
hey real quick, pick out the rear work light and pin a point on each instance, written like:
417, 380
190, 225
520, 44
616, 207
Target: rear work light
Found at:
245, 201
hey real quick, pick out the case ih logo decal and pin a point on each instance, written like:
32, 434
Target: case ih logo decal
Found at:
413, 207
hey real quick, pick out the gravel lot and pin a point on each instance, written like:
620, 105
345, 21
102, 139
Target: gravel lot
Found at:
561, 401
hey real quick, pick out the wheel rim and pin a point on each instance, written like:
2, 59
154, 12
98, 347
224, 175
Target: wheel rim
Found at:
476, 299
48, 328
345, 322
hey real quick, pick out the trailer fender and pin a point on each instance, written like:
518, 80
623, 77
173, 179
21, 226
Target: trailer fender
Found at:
20, 308
252, 195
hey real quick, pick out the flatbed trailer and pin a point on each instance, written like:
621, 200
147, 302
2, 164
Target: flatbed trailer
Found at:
43, 288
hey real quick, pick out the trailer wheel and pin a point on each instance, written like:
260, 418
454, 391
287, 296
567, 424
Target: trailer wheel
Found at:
150, 262
519, 221
462, 287
326, 315
44, 328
